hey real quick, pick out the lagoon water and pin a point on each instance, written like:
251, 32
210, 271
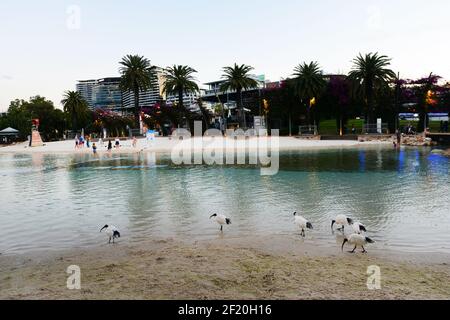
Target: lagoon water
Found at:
53, 202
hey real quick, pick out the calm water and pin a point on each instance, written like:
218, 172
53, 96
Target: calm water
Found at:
60, 201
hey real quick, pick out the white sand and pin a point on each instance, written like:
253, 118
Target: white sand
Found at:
165, 144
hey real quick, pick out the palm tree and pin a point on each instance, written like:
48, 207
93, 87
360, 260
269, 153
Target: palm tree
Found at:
75, 106
309, 84
137, 76
237, 78
370, 74
179, 80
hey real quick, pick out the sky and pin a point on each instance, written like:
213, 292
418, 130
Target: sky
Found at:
47, 45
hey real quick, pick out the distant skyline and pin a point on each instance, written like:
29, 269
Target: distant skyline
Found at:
48, 45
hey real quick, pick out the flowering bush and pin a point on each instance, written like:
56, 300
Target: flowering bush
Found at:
114, 122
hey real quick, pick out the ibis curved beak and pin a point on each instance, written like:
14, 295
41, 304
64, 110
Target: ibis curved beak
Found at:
102, 229
212, 216
343, 243
332, 224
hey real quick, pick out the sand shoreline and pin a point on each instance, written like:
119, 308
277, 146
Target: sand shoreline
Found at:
219, 269
165, 144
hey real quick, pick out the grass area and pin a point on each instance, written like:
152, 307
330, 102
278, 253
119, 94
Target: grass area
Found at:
434, 125
329, 127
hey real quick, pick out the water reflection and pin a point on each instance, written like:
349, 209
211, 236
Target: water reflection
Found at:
59, 201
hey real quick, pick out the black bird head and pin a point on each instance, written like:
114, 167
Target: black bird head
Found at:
214, 215
295, 213
350, 221
343, 243
106, 226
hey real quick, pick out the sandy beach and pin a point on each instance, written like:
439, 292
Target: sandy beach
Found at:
165, 144
264, 267
220, 269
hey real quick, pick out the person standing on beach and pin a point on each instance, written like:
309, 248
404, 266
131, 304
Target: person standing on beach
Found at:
399, 138
88, 141
117, 143
94, 148
134, 142
109, 145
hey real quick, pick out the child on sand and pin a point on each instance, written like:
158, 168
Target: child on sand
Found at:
94, 148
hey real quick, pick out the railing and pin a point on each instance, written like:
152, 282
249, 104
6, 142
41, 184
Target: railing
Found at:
307, 130
375, 129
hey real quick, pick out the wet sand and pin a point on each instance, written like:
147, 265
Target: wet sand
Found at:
251, 268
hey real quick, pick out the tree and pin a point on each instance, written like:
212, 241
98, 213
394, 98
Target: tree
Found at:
52, 121
137, 75
370, 74
339, 90
180, 81
309, 84
76, 107
425, 89
237, 78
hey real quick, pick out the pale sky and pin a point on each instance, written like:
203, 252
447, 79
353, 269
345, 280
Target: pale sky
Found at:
47, 45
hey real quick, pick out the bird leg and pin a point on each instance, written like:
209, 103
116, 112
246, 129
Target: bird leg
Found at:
109, 240
221, 228
353, 250
364, 250
303, 233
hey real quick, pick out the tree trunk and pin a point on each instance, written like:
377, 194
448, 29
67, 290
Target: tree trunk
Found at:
74, 123
308, 115
136, 106
240, 104
370, 105
290, 124
181, 106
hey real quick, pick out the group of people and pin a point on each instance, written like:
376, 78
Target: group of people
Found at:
81, 141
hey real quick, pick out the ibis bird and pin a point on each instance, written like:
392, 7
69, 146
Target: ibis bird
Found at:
302, 223
358, 241
221, 220
341, 220
358, 227
112, 232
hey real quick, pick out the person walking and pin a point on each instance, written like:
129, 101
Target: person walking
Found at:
109, 145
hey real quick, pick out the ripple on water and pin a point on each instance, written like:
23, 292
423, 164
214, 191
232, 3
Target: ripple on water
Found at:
57, 202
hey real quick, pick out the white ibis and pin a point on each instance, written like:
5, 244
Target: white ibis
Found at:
302, 223
341, 220
221, 220
112, 232
358, 227
358, 241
